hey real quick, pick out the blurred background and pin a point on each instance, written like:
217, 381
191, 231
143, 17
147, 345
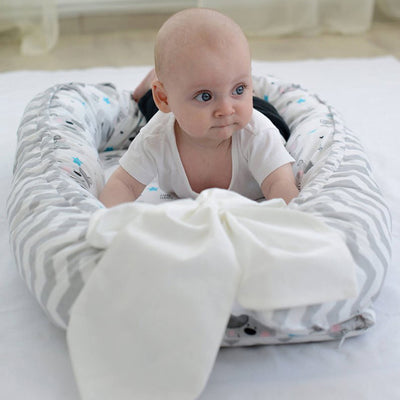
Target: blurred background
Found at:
70, 34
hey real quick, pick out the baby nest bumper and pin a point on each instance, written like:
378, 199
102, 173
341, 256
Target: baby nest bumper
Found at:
58, 174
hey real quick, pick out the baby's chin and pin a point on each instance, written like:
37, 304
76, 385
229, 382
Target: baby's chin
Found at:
225, 131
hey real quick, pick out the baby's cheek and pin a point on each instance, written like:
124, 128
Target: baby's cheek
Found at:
190, 126
197, 124
246, 115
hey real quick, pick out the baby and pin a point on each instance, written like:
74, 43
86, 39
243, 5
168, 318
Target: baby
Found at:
206, 134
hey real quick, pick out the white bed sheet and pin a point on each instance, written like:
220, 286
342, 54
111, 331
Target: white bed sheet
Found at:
34, 361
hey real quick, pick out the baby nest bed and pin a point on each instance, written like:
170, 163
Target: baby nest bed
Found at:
71, 133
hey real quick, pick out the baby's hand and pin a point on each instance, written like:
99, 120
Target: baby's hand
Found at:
120, 188
144, 86
280, 184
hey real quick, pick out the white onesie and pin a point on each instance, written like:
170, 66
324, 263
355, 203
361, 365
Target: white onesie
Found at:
257, 150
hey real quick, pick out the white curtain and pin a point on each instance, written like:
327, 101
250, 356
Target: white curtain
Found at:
391, 8
283, 17
35, 20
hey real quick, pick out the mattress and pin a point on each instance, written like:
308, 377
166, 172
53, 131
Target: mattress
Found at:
34, 361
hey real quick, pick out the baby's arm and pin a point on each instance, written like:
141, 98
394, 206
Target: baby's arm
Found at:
280, 184
120, 188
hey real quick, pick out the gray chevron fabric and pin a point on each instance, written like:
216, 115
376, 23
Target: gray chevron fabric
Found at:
70, 133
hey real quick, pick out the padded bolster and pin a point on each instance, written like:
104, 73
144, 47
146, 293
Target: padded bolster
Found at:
57, 176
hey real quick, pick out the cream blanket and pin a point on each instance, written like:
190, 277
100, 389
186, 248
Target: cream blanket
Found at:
150, 320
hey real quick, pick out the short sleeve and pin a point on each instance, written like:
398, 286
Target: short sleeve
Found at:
142, 157
263, 147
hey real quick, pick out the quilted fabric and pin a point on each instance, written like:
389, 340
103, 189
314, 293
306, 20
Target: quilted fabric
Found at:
58, 173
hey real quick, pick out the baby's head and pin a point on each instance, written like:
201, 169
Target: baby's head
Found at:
202, 57
187, 31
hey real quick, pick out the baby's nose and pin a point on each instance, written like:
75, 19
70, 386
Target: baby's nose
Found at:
224, 108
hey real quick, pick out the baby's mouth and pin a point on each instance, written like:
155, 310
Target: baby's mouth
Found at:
224, 125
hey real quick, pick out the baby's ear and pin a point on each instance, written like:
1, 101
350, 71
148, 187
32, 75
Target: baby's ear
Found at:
160, 96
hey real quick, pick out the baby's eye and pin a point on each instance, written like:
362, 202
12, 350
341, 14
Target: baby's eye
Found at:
203, 96
239, 90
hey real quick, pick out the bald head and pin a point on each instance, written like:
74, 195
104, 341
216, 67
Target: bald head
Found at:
190, 29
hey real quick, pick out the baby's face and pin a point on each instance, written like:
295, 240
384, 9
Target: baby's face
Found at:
210, 93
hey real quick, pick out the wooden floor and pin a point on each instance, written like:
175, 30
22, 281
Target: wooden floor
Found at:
84, 43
